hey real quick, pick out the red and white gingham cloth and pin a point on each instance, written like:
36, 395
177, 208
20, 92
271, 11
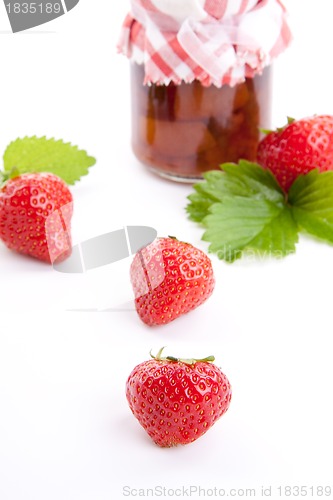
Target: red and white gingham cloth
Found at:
214, 41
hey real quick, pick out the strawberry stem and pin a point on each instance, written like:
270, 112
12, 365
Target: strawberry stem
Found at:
290, 120
265, 131
186, 361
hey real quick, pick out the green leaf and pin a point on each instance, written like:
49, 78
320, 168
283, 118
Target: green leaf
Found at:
39, 154
251, 180
278, 238
199, 206
206, 193
311, 198
239, 224
244, 179
243, 209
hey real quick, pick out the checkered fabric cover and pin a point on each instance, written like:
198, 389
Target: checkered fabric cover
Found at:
214, 41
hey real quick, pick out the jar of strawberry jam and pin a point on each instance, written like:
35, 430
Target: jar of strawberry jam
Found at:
201, 80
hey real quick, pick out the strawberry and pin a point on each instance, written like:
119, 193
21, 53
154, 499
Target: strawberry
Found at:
35, 214
176, 401
297, 148
170, 278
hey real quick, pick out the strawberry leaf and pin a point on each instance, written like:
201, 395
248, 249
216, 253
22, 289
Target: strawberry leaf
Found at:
280, 235
243, 209
259, 225
39, 154
251, 180
199, 206
206, 194
311, 198
244, 179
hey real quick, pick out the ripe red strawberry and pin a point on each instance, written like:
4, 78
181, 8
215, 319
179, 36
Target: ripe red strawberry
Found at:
35, 214
170, 278
176, 401
298, 148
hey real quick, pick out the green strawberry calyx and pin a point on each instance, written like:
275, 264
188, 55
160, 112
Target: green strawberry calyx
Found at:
186, 361
3, 179
176, 239
5, 176
267, 131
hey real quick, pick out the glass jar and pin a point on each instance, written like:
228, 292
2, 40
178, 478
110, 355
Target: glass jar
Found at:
201, 80
181, 131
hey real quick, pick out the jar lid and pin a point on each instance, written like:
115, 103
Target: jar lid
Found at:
214, 41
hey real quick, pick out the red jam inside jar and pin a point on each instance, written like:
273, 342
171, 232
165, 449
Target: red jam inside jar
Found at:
181, 131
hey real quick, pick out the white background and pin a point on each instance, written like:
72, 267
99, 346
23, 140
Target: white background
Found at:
65, 429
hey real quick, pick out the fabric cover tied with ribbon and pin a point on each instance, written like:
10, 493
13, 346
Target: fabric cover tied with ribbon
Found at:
214, 41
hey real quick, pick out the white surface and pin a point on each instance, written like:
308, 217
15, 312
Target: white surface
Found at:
65, 429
